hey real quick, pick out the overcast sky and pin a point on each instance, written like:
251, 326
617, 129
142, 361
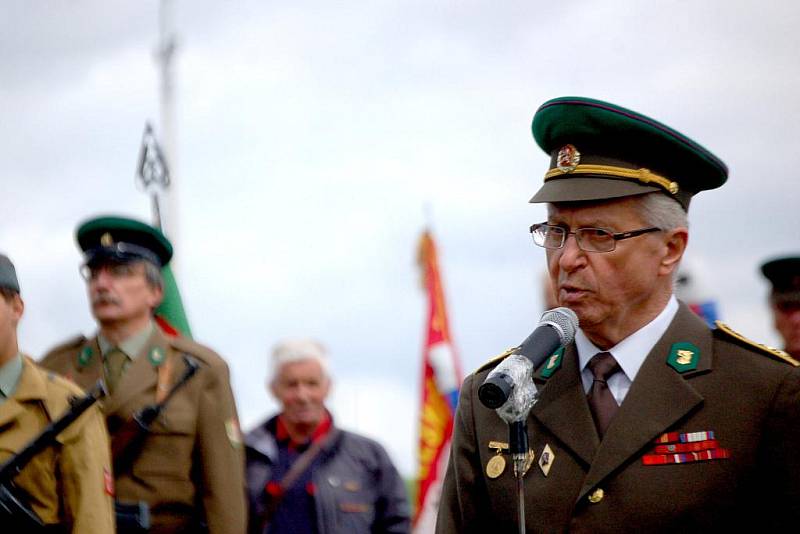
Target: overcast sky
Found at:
311, 135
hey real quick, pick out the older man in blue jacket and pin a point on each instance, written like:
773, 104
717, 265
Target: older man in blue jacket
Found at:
304, 475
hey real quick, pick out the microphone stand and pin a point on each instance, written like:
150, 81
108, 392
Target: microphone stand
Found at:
518, 446
514, 412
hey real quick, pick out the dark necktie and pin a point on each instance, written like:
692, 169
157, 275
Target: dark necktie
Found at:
115, 366
601, 401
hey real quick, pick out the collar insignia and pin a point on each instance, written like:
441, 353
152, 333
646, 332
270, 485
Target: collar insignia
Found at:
683, 357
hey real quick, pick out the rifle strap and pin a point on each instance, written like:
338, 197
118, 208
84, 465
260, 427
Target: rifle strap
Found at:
164, 378
298, 468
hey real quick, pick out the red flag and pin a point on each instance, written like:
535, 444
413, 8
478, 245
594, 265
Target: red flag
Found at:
441, 378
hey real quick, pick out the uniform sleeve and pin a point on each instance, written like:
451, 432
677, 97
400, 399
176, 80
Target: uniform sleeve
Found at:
221, 456
392, 514
463, 487
779, 472
85, 466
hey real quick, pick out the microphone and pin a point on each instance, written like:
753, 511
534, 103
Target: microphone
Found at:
556, 328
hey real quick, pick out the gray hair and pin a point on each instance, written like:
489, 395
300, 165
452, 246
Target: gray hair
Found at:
662, 212
659, 210
296, 350
152, 274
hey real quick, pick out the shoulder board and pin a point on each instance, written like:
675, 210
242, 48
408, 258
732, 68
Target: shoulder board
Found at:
495, 360
71, 344
192, 348
726, 331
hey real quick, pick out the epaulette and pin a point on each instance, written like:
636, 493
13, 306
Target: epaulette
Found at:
70, 344
204, 354
777, 354
495, 360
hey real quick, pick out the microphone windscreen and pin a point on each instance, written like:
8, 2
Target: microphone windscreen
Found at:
564, 321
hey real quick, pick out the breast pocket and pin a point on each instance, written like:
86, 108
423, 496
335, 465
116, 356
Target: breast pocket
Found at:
355, 503
167, 449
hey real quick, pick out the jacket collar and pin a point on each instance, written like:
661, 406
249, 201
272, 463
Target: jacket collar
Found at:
31, 388
658, 398
142, 373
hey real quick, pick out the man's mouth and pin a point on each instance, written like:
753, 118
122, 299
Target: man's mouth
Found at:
569, 293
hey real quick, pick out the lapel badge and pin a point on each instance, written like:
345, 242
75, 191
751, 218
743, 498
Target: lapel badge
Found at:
156, 356
546, 459
529, 461
568, 158
553, 363
683, 357
497, 463
596, 496
106, 240
85, 356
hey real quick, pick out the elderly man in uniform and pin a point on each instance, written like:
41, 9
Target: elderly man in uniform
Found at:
188, 473
305, 475
784, 275
649, 421
67, 485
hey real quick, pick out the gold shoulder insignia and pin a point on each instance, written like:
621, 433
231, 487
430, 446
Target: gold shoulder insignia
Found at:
495, 360
763, 349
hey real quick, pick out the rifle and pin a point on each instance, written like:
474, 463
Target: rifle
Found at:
127, 442
12, 507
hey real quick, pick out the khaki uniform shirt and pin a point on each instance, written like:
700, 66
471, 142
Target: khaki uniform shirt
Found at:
70, 482
191, 467
720, 393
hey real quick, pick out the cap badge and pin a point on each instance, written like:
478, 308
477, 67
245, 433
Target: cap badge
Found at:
106, 240
568, 158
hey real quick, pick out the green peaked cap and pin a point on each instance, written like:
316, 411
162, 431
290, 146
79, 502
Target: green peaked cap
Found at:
784, 275
123, 239
602, 151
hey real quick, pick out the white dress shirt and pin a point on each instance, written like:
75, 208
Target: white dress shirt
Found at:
629, 353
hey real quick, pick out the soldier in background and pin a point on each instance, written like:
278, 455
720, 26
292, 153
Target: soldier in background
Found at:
68, 484
189, 474
784, 299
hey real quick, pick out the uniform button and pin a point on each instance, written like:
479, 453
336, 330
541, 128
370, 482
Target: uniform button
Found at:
596, 496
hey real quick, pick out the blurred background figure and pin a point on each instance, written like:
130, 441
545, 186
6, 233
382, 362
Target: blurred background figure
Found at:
784, 299
185, 471
305, 475
66, 485
689, 288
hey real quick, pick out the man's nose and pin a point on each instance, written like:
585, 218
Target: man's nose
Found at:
572, 256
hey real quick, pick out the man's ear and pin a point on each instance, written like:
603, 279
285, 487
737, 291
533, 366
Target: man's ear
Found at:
17, 308
675, 245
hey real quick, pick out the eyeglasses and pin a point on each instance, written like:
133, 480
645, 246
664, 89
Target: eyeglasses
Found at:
115, 270
588, 239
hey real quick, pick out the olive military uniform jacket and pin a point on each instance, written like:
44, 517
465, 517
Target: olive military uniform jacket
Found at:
747, 397
69, 483
191, 467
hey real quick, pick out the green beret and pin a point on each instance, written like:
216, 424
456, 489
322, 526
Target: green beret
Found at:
122, 240
8, 274
602, 151
784, 274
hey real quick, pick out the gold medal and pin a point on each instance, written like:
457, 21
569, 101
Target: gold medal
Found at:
495, 466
